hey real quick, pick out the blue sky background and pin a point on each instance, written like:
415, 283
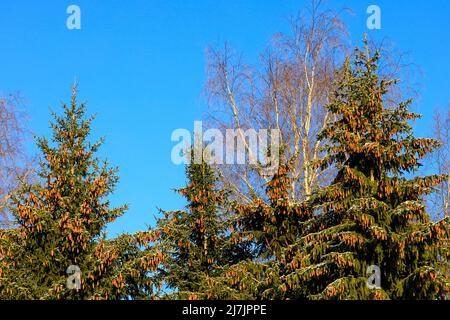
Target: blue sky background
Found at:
140, 65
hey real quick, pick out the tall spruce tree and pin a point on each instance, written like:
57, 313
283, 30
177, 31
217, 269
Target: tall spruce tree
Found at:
61, 223
272, 225
373, 213
197, 243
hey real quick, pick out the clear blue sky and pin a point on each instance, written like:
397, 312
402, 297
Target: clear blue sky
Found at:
140, 65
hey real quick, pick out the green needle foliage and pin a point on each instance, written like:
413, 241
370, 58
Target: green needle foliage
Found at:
197, 243
61, 222
272, 225
373, 213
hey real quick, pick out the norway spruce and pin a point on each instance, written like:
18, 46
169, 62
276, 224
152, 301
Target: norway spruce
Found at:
61, 224
272, 224
373, 213
196, 242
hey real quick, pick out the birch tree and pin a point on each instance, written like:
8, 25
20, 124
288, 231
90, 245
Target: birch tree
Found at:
440, 160
286, 91
13, 162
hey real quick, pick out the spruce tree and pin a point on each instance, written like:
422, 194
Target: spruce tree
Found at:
373, 213
271, 224
61, 223
196, 243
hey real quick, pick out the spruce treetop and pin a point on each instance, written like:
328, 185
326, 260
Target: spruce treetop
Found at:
372, 213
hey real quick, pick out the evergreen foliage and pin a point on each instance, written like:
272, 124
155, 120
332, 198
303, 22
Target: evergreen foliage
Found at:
373, 213
197, 243
61, 222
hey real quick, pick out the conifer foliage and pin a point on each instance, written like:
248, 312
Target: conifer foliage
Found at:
61, 222
272, 225
373, 212
197, 242
371, 216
